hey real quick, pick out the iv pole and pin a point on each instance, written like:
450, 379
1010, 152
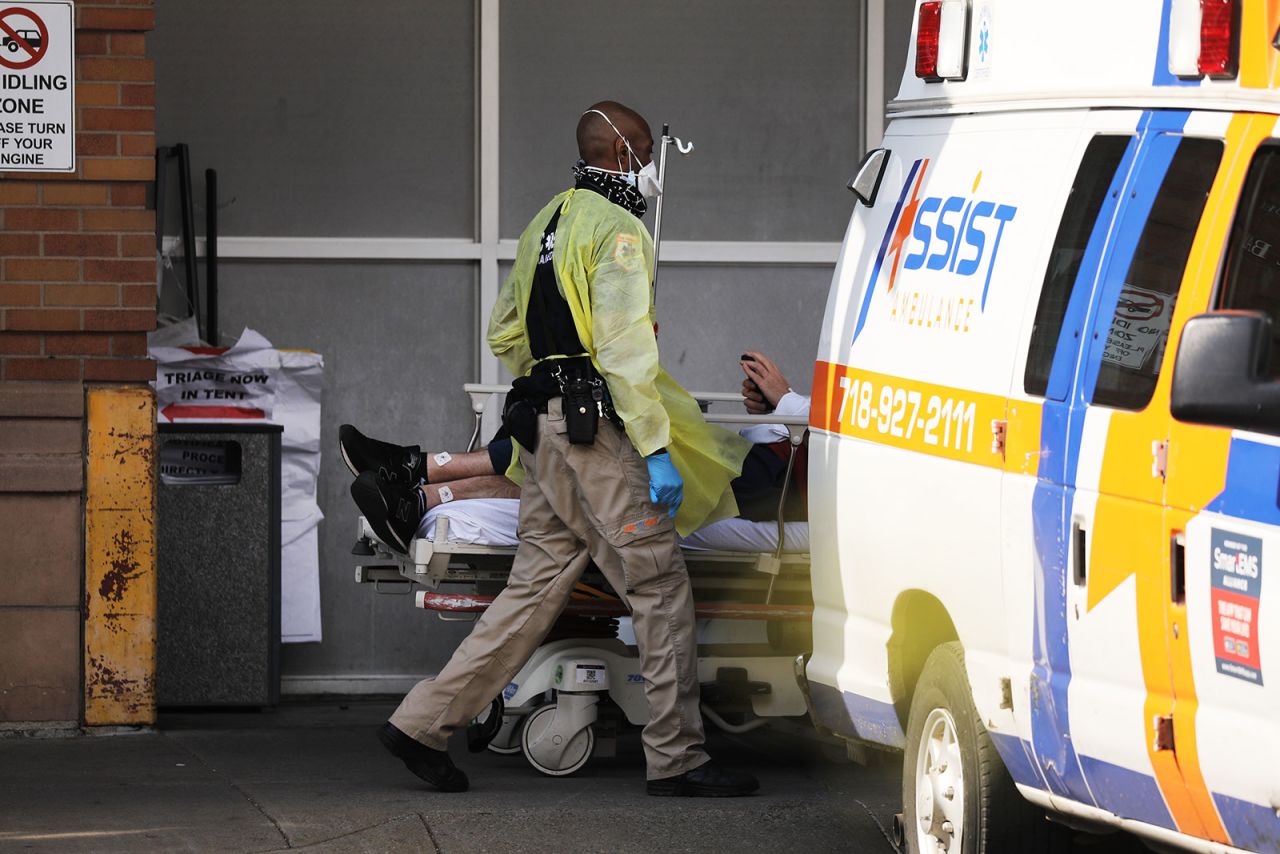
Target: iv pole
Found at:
685, 148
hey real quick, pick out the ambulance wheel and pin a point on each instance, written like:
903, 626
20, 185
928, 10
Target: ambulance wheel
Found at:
554, 760
957, 796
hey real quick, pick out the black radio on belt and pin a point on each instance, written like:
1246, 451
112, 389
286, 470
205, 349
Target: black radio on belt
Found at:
583, 398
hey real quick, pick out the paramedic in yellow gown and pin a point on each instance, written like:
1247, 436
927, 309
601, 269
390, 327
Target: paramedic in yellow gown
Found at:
579, 302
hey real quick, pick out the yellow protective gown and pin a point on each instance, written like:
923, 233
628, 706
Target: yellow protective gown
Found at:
604, 269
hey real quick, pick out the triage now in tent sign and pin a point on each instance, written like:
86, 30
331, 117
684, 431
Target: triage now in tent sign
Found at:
37, 87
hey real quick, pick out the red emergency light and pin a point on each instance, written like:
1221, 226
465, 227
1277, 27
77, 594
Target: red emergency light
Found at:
1217, 38
927, 31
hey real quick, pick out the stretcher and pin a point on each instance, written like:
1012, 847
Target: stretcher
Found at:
750, 582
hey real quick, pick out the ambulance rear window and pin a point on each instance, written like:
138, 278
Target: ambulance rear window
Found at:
1097, 170
1143, 313
1252, 278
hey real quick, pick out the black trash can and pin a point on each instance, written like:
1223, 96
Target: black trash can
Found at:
218, 556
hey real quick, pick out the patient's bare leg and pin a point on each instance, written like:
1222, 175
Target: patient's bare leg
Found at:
472, 464
485, 486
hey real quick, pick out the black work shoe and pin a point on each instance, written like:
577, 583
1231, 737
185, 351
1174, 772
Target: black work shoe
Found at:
394, 511
402, 464
705, 781
434, 766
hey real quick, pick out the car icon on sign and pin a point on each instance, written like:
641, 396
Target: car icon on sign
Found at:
31, 37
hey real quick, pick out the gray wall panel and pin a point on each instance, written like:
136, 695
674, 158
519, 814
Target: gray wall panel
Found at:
768, 92
707, 316
898, 20
324, 118
398, 344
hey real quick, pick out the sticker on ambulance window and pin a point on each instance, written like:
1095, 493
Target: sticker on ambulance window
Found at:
1139, 329
1236, 569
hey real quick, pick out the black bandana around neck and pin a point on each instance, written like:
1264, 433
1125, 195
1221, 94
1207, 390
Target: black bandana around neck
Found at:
612, 187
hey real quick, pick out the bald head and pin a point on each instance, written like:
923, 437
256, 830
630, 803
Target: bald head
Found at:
599, 146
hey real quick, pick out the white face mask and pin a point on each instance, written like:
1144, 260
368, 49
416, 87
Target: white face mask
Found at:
646, 180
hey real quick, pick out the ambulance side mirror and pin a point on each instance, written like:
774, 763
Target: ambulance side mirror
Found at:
1220, 376
866, 184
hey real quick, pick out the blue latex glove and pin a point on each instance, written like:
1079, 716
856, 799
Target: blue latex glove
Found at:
665, 484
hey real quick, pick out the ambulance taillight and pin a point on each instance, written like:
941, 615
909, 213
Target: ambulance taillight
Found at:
1217, 38
1202, 38
942, 40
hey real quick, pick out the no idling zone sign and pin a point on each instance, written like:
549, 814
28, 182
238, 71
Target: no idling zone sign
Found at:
37, 87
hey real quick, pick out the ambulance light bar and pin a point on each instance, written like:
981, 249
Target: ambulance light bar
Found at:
942, 40
1202, 39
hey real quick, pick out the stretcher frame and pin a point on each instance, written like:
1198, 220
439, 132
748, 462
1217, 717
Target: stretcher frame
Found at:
432, 562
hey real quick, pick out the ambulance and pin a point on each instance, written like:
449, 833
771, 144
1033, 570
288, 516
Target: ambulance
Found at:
1045, 451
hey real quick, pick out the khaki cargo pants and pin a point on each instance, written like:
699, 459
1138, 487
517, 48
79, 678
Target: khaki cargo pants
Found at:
580, 503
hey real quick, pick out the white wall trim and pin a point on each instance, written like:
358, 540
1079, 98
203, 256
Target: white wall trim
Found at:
445, 249
348, 685
337, 248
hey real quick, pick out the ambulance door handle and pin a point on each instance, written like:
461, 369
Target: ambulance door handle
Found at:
1178, 568
1079, 553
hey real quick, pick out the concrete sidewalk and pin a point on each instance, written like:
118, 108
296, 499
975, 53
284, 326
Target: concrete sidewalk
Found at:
314, 777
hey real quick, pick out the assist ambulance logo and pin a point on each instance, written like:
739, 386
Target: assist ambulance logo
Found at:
952, 240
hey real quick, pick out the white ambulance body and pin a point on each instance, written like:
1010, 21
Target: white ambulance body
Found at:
1027, 572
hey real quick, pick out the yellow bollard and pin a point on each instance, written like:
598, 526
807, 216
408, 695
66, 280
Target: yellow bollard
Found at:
120, 558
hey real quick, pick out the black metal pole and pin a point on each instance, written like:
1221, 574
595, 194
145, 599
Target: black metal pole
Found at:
189, 232
211, 254
163, 153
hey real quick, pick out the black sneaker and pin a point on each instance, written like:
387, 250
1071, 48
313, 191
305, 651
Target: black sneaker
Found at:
403, 464
434, 766
394, 511
705, 781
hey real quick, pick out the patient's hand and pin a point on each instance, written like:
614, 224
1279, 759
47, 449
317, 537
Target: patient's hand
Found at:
754, 400
768, 379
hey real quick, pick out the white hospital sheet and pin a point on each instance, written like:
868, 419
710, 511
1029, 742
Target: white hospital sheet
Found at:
492, 522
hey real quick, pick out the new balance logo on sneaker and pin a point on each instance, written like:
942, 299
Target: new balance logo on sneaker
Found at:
376, 497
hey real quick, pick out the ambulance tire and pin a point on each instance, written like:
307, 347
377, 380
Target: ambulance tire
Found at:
997, 818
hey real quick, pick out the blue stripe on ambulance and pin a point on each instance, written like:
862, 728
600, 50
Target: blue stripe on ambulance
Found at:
1060, 437
854, 715
1062, 427
1129, 793
1253, 470
1253, 827
1017, 757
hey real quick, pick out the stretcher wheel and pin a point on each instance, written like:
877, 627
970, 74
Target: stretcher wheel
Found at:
554, 760
507, 741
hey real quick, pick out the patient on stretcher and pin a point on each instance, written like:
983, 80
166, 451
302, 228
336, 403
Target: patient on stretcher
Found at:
398, 487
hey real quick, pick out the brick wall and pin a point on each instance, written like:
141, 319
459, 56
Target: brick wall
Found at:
77, 280
77, 297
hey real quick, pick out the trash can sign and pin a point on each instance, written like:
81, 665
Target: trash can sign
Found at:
216, 391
